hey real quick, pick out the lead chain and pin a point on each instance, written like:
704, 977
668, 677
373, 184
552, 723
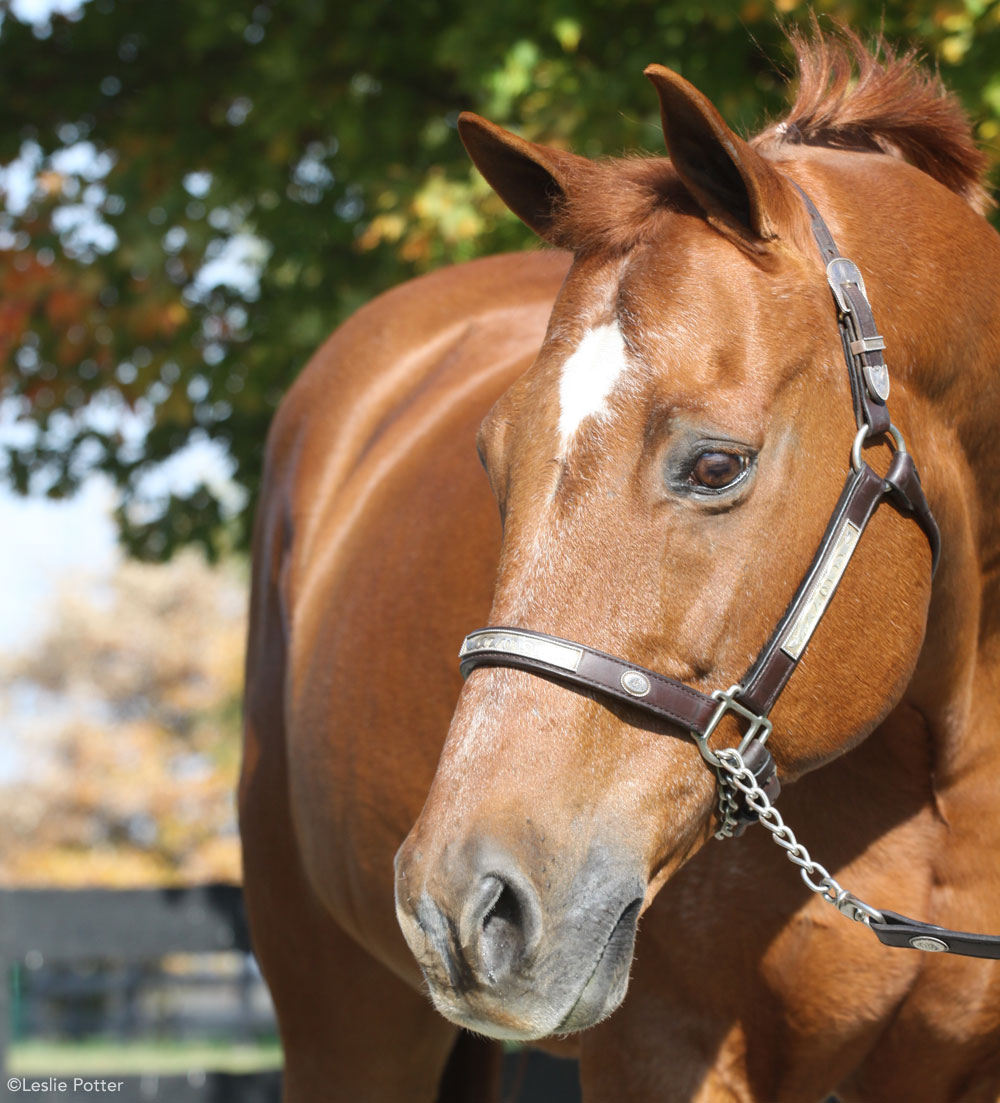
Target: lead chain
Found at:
729, 805
738, 776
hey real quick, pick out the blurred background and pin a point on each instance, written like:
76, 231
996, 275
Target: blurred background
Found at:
192, 195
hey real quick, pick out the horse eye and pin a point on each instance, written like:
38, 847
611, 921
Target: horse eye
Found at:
717, 470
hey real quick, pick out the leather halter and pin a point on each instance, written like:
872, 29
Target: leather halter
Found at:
752, 698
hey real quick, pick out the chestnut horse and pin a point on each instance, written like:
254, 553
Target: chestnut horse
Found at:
668, 423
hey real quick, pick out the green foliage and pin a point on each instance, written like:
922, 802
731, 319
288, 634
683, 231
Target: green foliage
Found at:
319, 137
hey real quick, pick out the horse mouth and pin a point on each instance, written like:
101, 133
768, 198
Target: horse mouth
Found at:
605, 988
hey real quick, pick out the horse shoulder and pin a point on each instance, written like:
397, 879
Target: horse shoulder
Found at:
387, 537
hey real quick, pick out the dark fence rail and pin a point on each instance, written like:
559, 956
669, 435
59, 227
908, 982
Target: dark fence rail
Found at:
225, 1000
121, 923
136, 925
142, 925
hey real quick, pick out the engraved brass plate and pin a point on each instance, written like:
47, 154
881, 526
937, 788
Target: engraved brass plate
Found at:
821, 590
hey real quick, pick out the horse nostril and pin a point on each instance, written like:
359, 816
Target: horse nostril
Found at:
506, 909
507, 928
502, 941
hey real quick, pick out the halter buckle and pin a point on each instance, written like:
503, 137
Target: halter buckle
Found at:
841, 271
759, 729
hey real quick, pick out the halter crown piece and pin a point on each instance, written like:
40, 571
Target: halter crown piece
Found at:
747, 778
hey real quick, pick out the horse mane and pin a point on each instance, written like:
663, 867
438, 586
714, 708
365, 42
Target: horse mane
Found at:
849, 97
883, 101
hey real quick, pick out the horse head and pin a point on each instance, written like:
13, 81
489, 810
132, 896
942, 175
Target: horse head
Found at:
664, 473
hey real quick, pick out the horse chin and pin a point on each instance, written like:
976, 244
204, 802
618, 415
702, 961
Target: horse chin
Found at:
606, 987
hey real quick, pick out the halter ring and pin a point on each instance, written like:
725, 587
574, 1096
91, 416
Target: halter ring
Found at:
862, 436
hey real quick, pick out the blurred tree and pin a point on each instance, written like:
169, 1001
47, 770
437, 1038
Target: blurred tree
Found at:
134, 734
215, 184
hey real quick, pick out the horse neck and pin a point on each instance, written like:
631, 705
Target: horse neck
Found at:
950, 366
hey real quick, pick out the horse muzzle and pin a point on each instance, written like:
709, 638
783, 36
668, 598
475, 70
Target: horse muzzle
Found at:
515, 956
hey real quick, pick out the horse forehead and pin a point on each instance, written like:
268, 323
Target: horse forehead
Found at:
589, 375
589, 347
653, 334
669, 322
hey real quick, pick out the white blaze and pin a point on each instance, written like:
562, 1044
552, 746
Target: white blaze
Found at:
589, 376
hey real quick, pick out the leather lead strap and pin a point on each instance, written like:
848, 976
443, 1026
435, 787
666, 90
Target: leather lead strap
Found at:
900, 930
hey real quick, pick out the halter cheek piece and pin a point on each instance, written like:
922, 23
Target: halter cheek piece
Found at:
747, 778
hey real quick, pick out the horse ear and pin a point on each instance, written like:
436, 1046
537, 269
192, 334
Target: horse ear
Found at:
728, 179
532, 180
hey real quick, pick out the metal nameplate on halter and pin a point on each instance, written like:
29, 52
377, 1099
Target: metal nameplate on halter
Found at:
821, 590
840, 271
559, 655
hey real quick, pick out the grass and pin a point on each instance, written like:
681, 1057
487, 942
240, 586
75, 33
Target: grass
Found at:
108, 1057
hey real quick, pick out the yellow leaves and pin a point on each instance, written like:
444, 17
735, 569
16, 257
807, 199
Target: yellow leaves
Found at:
957, 21
417, 248
382, 228
753, 11
175, 315
132, 776
68, 866
955, 47
568, 33
962, 20
446, 204
442, 215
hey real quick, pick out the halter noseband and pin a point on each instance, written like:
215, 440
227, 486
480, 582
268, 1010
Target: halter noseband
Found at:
748, 782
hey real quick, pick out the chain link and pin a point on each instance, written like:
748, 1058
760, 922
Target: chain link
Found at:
736, 777
729, 804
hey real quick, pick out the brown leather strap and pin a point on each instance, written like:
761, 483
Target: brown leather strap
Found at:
821, 232
908, 494
779, 657
588, 668
856, 323
857, 328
